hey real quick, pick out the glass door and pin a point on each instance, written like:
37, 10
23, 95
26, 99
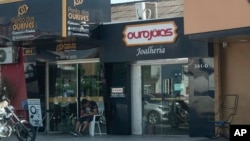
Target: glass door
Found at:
154, 110
63, 96
164, 105
69, 83
90, 85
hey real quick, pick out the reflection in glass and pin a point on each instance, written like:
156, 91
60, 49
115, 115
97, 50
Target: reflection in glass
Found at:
68, 85
163, 87
63, 96
90, 81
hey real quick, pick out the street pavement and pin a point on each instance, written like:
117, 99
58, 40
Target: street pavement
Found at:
68, 137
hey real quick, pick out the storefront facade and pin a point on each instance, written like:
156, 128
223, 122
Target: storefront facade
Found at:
135, 70
58, 60
227, 28
148, 66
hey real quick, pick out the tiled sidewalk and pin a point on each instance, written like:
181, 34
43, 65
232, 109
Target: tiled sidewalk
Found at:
68, 137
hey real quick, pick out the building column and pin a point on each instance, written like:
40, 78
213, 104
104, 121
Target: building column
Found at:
136, 100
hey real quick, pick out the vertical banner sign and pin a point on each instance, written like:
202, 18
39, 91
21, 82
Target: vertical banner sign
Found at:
75, 22
35, 114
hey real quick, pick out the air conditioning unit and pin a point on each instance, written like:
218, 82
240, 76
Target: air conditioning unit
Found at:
8, 55
146, 10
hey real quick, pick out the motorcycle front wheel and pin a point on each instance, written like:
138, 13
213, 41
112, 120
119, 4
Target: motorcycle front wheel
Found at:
25, 132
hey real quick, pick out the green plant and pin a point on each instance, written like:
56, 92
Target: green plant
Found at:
90, 85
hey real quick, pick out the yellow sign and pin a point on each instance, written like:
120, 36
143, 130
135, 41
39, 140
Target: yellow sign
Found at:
62, 47
28, 51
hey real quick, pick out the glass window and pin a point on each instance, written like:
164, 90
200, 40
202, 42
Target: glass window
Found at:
165, 110
68, 85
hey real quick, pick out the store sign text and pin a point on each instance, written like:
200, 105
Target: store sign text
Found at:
146, 34
63, 47
23, 23
151, 50
78, 15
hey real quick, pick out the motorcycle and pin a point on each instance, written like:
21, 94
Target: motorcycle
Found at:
10, 123
179, 113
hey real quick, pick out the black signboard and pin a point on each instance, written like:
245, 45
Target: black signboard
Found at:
82, 16
76, 19
29, 20
148, 40
33, 19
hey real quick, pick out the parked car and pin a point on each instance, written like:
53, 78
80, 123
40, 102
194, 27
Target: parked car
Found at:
156, 111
